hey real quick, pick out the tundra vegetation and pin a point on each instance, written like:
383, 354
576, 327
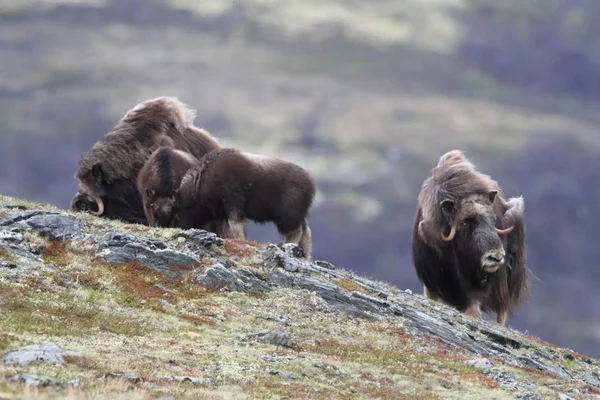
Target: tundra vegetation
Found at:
367, 95
126, 311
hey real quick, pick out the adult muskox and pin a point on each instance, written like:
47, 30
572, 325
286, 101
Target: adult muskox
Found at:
468, 243
107, 173
229, 186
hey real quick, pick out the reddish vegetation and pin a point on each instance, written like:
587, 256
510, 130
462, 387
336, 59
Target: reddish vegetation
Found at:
399, 332
197, 320
241, 247
542, 342
83, 362
4, 253
138, 280
481, 378
55, 252
454, 354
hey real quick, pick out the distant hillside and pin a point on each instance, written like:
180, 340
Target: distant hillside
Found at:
92, 309
366, 96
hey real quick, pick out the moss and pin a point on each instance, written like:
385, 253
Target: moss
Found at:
350, 285
5, 255
55, 252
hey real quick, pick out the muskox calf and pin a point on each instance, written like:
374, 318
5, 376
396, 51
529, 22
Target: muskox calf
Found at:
230, 185
107, 173
158, 182
468, 243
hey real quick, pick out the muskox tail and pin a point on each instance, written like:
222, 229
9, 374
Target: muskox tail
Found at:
164, 168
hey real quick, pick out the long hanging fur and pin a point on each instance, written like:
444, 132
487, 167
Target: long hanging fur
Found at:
107, 173
436, 264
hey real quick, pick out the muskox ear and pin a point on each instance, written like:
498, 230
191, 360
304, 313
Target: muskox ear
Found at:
492, 195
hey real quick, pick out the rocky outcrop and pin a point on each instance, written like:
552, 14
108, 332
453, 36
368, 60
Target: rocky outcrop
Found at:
259, 271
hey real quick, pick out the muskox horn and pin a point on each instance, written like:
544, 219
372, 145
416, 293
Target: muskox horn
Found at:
451, 235
504, 231
100, 204
97, 200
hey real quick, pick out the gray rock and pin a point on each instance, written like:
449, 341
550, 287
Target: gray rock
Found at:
502, 338
201, 239
324, 264
276, 338
274, 359
529, 362
53, 225
48, 353
37, 381
22, 216
562, 396
8, 265
12, 237
242, 280
195, 381
20, 252
120, 248
481, 363
276, 257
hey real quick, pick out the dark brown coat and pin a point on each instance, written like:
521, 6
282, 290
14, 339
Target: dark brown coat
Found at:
229, 185
468, 245
158, 182
107, 173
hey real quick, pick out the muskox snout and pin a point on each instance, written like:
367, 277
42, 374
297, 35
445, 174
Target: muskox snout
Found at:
492, 260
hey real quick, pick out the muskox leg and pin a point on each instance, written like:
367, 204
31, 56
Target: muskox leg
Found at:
501, 317
474, 310
301, 236
306, 241
230, 230
238, 229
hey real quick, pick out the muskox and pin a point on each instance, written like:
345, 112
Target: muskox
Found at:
230, 185
158, 182
107, 173
468, 242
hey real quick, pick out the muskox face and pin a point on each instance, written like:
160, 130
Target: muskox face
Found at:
110, 198
473, 232
161, 208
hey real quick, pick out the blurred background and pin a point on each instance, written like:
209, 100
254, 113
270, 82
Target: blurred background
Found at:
366, 95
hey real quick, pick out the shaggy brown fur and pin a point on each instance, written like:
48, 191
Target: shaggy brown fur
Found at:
468, 243
158, 182
229, 185
107, 173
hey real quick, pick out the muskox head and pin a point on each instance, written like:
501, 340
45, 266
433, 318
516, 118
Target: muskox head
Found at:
470, 226
160, 208
104, 194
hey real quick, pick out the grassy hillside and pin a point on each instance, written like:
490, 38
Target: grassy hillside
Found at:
144, 313
365, 96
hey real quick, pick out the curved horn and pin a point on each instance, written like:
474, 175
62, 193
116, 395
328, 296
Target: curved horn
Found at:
451, 235
100, 204
504, 231
96, 199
